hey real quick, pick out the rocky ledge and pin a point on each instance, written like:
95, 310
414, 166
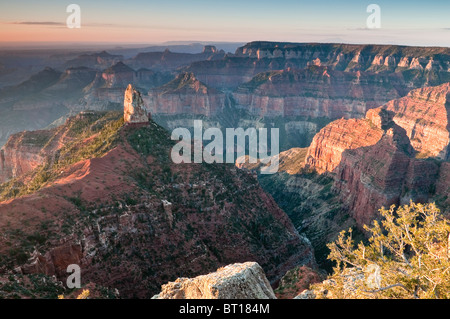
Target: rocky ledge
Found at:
236, 281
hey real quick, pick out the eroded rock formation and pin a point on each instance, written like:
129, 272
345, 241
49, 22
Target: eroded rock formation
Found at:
24, 152
425, 115
133, 106
391, 157
237, 281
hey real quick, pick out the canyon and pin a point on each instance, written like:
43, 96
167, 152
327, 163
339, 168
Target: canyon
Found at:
106, 196
86, 175
394, 155
296, 81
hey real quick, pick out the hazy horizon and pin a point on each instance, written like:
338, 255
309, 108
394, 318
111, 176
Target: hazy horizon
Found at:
413, 23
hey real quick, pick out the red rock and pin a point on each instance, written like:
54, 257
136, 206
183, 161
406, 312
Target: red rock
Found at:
374, 160
296, 281
110, 215
55, 262
424, 114
22, 153
325, 152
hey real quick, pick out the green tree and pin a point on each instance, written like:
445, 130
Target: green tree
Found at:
407, 256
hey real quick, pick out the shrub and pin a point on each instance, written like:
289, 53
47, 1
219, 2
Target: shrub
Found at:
408, 256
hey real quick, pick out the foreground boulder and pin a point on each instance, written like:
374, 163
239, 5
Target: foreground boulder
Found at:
236, 281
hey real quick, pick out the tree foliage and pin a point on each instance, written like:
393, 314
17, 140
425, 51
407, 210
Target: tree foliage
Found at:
407, 256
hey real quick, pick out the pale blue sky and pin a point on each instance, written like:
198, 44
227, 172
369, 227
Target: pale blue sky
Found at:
402, 22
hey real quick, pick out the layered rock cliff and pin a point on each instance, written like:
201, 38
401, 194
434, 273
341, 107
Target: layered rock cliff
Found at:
108, 85
382, 160
315, 92
413, 66
22, 153
325, 80
364, 164
327, 147
352, 57
312, 204
425, 115
185, 95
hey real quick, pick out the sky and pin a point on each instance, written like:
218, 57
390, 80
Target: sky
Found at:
413, 22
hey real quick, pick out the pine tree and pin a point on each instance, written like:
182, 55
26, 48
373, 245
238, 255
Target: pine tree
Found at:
407, 256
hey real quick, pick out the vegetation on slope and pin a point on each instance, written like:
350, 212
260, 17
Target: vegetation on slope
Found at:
88, 137
407, 256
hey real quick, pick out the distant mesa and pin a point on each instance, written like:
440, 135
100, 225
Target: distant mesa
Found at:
95, 60
209, 49
118, 67
169, 60
133, 107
